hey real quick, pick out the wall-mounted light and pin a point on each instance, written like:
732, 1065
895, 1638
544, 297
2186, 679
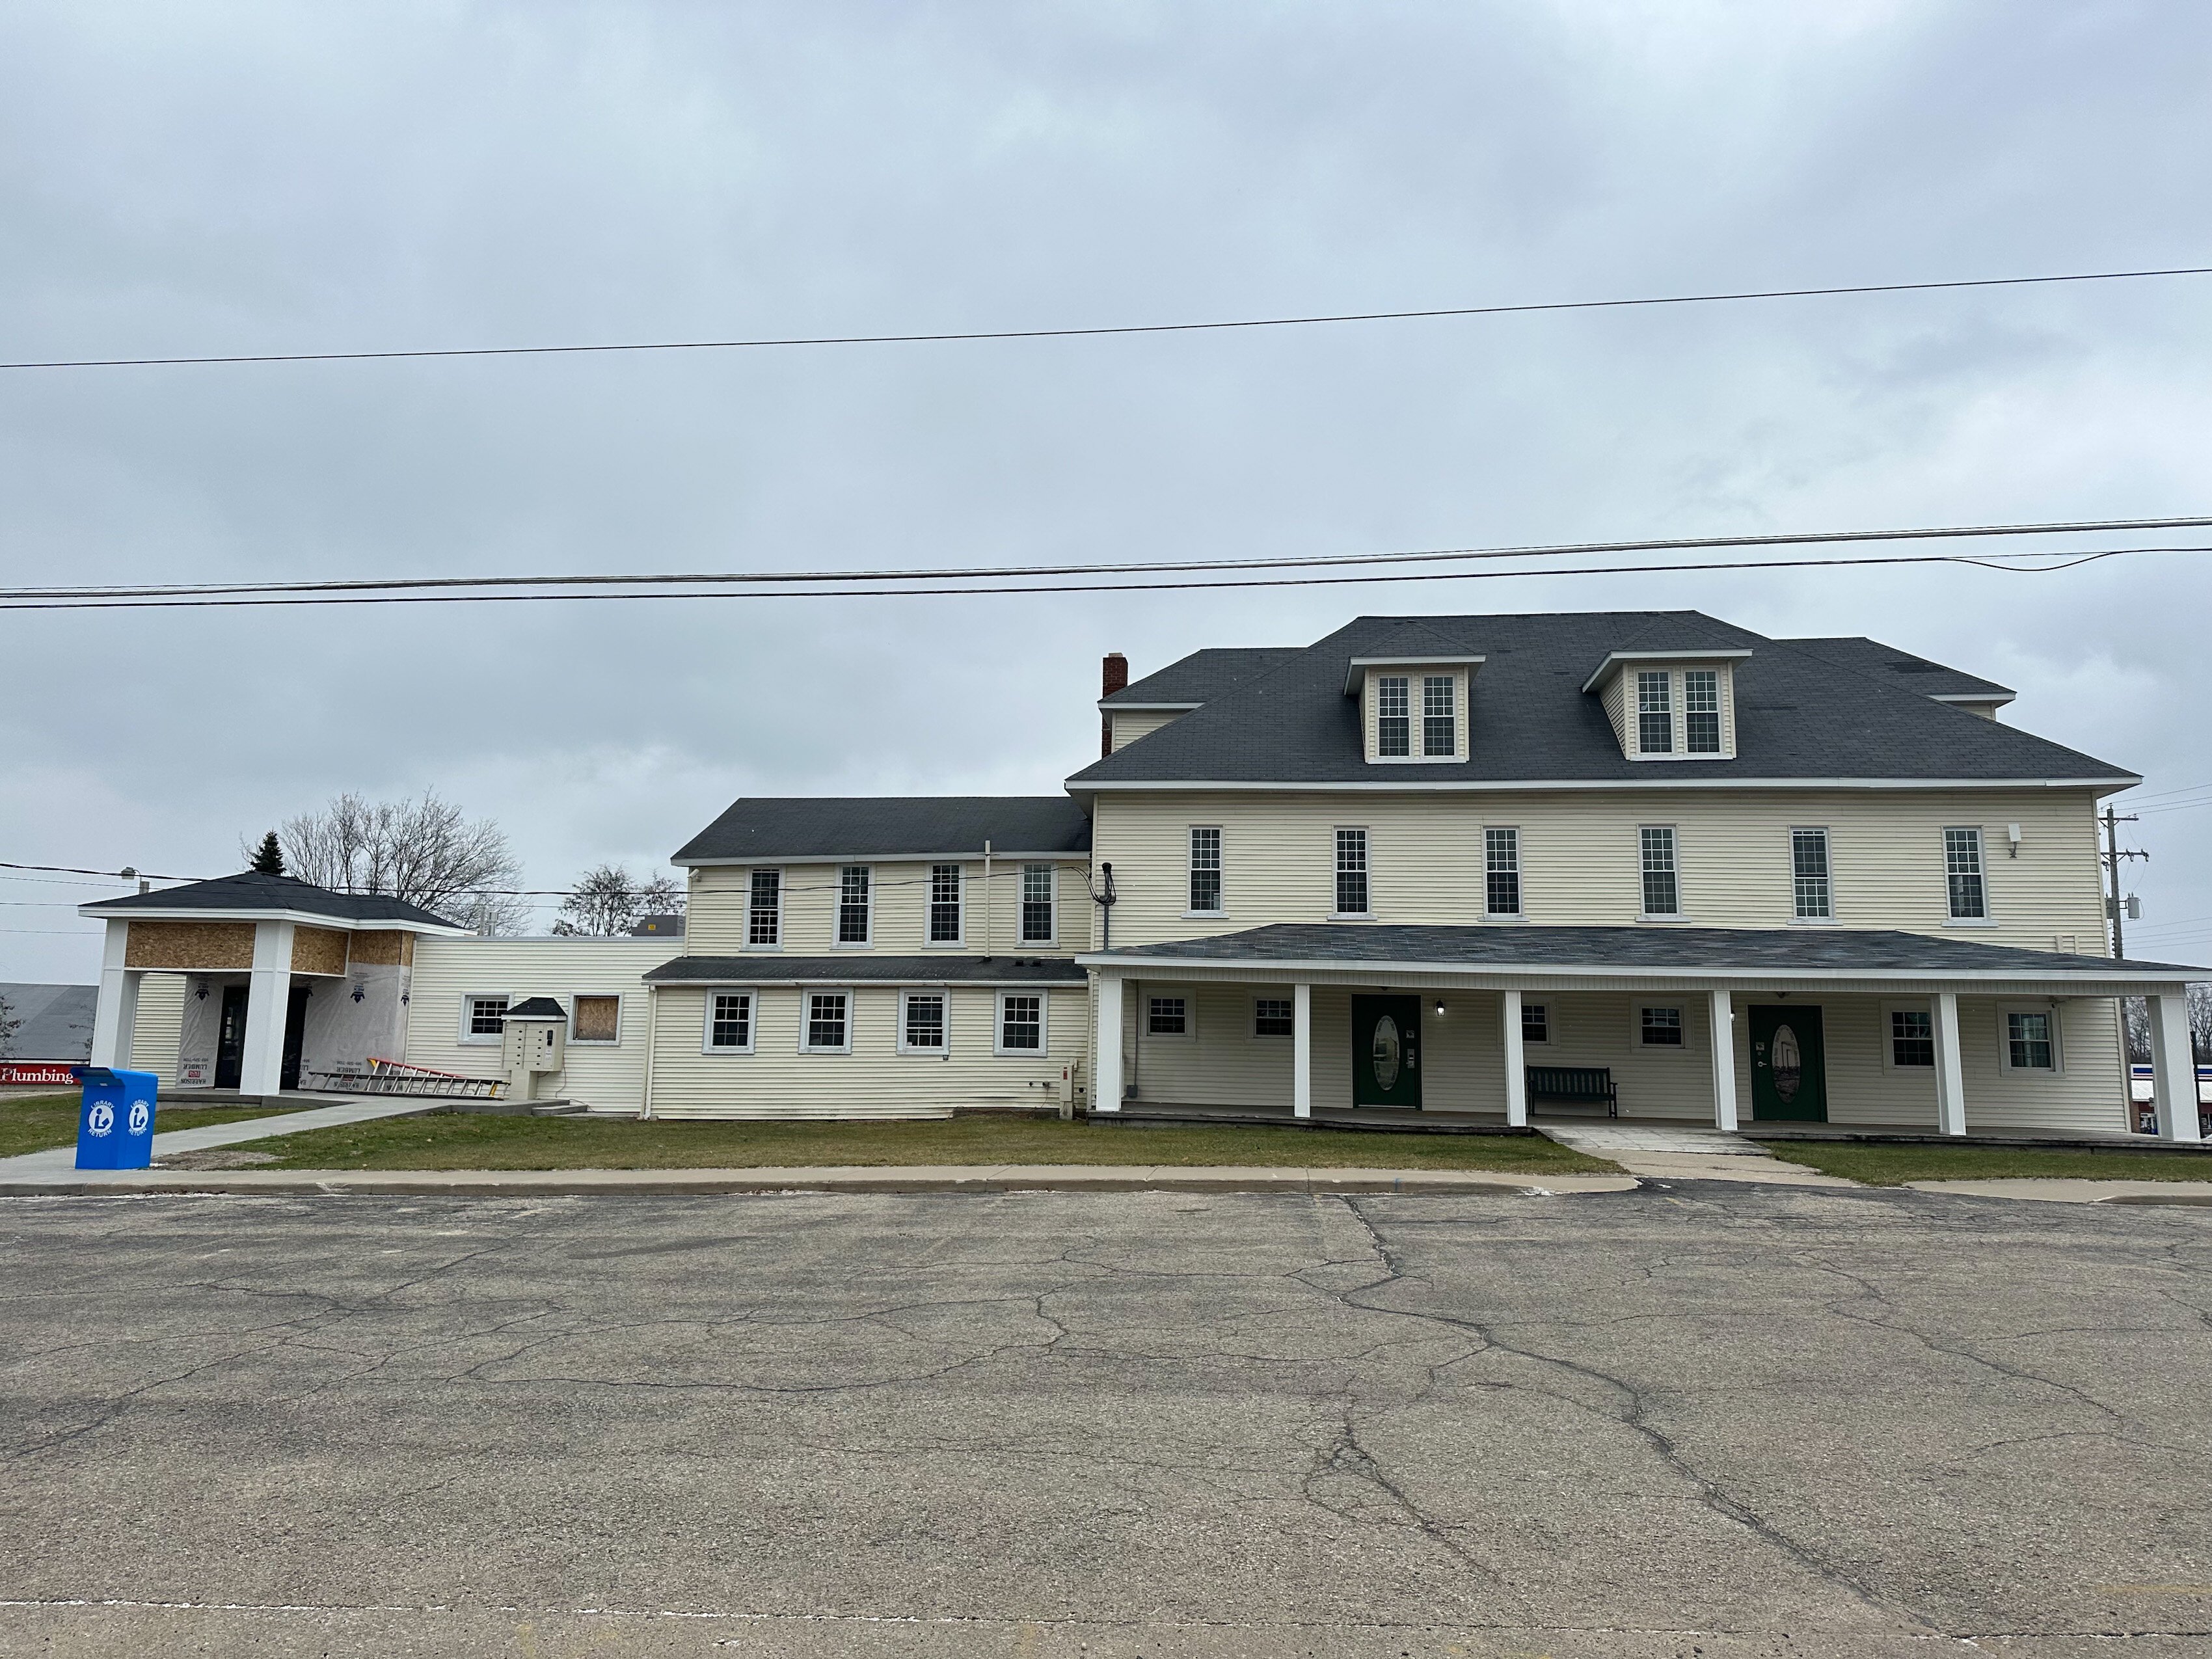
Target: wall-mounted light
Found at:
2012, 835
1440, 1007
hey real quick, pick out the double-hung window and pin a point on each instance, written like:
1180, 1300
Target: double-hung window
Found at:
1036, 904
1808, 875
1912, 1037
829, 1022
1439, 717
922, 1023
853, 890
1393, 716
730, 1023
1660, 1027
945, 904
1167, 1017
1021, 1022
1663, 894
1701, 711
1501, 873
1962, 874
1273, 1017
2029, 1043
1351, 872
1654, 713
1206, 869
484, 1019
765, 915
1535, 1022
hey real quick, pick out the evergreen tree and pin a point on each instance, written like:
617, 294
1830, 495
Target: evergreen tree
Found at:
269, 857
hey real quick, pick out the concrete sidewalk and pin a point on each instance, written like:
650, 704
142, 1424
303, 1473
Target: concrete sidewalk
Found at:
1685, 1151
59, 1163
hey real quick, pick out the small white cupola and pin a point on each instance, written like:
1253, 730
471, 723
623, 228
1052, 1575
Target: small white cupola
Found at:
1670, 705
1413, 709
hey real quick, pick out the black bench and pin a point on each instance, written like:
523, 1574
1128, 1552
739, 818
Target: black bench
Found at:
1580, 1086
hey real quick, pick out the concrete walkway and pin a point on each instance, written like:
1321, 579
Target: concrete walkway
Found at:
2053, 1190
59, 1163
1685, 1151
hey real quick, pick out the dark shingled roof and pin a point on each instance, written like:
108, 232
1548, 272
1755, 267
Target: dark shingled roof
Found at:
251, 890
1798, 715
1629, 950
885, 826
1930, 679
859, 969
1202, 676
537, 1008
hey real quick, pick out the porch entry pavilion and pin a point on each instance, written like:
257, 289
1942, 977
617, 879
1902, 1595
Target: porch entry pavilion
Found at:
1725, 1025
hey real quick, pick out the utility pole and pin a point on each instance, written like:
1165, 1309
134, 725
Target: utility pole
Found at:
2112, 858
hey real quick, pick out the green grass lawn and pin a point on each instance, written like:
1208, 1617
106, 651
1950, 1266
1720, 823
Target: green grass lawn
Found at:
472, 1141
34, 1122
1893, 1166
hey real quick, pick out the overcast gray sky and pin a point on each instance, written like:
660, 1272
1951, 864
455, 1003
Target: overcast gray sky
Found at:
243, 178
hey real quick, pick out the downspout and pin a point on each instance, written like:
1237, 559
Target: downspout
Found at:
652, 1030
987, 900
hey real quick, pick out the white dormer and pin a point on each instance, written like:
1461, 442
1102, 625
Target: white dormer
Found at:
1413, 710
1670, 705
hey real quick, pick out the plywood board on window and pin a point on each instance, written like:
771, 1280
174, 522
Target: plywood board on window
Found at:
384, 949
319, 951
185, 945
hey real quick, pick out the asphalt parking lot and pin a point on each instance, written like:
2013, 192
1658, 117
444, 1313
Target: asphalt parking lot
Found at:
1705, 1420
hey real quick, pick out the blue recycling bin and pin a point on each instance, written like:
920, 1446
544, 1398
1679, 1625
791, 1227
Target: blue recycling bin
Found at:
115, 1124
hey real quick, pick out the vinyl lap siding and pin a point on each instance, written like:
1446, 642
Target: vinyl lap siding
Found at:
157, 1032
717, 918
1128, 727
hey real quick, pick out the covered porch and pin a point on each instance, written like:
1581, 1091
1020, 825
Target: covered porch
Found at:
1493, 1026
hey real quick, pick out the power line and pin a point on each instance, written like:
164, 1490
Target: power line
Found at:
969, 573
1093, 332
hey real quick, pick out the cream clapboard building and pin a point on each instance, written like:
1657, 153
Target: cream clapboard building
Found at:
1481, 865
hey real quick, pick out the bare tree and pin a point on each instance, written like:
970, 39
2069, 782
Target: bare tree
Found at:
2200, 1022
423, 851
10, 1023
605, 901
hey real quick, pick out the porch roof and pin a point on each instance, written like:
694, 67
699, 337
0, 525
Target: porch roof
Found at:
1758, 955
251, 896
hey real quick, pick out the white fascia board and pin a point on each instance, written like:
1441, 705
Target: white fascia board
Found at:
1615, 660
1995, 699
1533, 785
1277, 968
1112, 706
973, 853
847, 982
143, 913
1358, 666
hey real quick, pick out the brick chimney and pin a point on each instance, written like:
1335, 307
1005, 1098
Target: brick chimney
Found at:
1113, 676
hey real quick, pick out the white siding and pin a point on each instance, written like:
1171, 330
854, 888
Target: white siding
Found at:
715, 923
155, 1034
1130, 725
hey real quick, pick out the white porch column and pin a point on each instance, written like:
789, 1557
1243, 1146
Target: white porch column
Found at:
2174, 1067
1302, 1049
1950, 1070
267, 995
1724, 1032
1106, 1045
115, 1011
1517, 1064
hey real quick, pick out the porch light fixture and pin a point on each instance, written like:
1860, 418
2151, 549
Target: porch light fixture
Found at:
1440, 1007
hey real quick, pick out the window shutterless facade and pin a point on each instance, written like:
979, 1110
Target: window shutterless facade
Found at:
1206, 869
2031, 1043
730, 1023
1654, 713
1351, 872
829, 1027
764, 911
922, 1028
1808, 875
945, 918
1660, 1027
1273, 1017
1394, 716
1535, 1022
1701, 711
1501, 873
594, 1019
1037, 887
1662, 893
1912, 1038
1021, 1022
1962, 875
482, 1019
854, 889
1167, 1017
1439, 717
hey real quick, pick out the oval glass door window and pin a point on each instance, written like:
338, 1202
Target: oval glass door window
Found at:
1386, 1054
1789, 1064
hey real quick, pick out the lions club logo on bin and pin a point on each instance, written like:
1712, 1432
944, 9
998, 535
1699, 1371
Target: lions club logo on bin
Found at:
140, 1115
101, 1119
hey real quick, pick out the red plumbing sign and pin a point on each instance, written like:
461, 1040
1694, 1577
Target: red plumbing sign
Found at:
36, 1071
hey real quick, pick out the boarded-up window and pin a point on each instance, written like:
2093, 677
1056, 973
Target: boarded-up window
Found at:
598, 1020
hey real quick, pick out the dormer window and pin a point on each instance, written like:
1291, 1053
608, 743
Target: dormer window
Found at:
1701, 710
1670, 705
1393, 717
1413, 709
1439, 723
1654, 713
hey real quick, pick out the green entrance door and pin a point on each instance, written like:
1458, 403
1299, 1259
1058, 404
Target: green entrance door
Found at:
1789, 1077
1385, 1051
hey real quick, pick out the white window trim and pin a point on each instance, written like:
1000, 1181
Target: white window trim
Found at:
782, 891
1521, 875
1789, 856
1680, 912
944, 993
1551, 1025
1044, 1024
1021, 900
1906, 1006
1252, 1032
1678, 715
1415, 676
1181, 994
837, 911
1189, 869
2031, 1005
614, 1042
706, 1043
469, 999
1988, 916
1335, 914
928, 898
806, 996
1636, 1043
